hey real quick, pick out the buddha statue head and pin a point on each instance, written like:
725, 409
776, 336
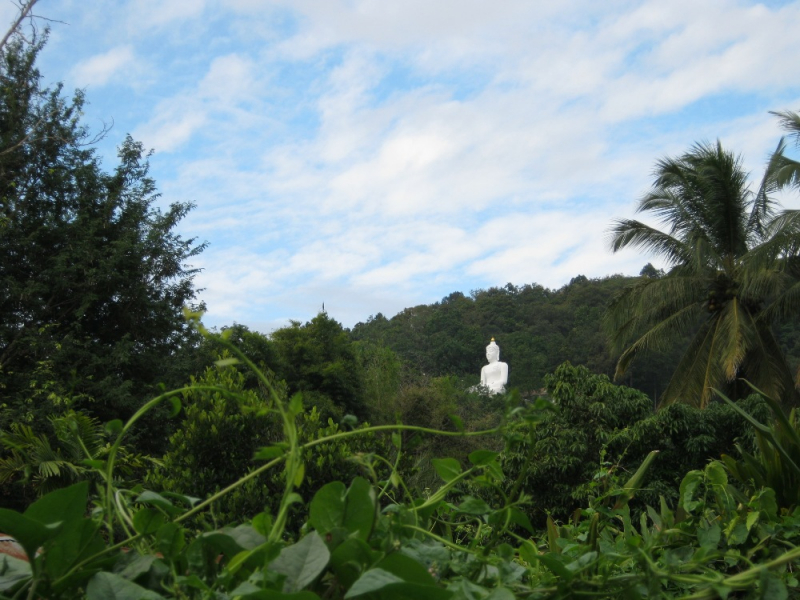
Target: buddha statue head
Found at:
492, 352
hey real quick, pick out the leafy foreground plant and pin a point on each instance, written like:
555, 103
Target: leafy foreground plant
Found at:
378, 540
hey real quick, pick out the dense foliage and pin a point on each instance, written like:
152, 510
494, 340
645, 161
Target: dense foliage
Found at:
537, 329
602, 432
377, 538
92, 274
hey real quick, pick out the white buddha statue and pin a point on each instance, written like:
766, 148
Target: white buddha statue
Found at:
494, 376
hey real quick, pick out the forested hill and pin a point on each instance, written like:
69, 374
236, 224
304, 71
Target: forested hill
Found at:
536, 328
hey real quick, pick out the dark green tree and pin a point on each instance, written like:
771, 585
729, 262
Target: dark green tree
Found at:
319, 359
92, 274
733, 274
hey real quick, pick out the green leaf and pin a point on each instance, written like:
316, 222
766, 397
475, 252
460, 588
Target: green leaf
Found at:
397, 439
458, 422
406, 568
520, 518
327, 507
474, 506
481, 458
372, 581
528, 552
500, 593
351, 558
108, 586
29, 533
447, 468
716, 473
175, 406
296, 404
148, 520
388, 586
772, 588
302, 562
170, 540
113, 427
154, 499
61, 505
299, 474
226, 362
270, 452
359, 509
76, 540
554, 563
246, 536
275, 595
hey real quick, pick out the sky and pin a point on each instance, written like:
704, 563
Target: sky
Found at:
374, 155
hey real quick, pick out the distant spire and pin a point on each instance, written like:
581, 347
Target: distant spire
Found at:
323, 307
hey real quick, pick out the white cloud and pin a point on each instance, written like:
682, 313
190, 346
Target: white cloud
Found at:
101, 68
373, 154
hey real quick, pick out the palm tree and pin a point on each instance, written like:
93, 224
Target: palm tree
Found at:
733, 272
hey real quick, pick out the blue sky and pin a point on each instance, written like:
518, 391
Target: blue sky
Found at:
378, 154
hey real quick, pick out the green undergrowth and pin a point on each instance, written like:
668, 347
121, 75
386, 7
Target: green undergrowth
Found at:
373, 536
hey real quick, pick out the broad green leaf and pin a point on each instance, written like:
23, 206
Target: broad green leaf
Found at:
474, 506
76, 540
351, 558
108, 586
373, 580
113, 427
226, 362
688, 488
327, 507
554, 563
29, 533
458, 422
148, 520
270, 452
500, 593
246, 536
170, 540
175, 406
406, 568
528, 552
772, 588
359, 508
275, 595
387, 586
447, 468
184, 499
397, 439
296, 403
716, 473
154, 499
520, 518
302, 562
61, 505
299, 474
481, 458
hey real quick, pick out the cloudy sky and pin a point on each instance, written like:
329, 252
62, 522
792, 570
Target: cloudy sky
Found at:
378, 154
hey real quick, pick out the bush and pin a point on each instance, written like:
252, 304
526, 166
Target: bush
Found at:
602, 432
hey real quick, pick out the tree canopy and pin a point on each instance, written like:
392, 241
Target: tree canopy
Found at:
733, 273
93, 275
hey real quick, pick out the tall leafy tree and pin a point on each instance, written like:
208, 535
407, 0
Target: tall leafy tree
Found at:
93, 275
732, 272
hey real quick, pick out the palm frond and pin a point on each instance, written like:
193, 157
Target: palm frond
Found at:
645, 304
631, 233
789, 121
697, 372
